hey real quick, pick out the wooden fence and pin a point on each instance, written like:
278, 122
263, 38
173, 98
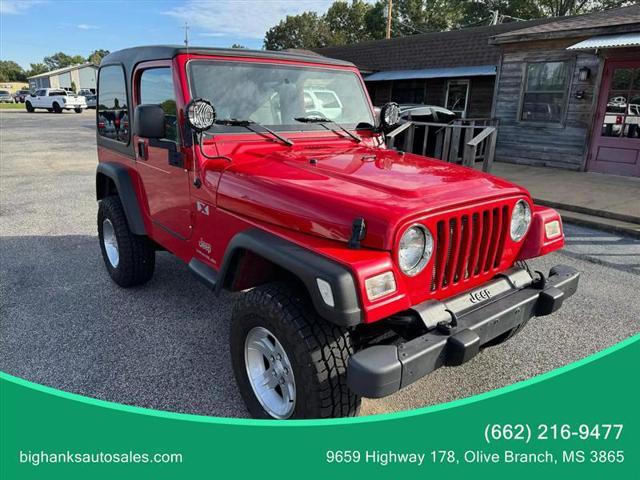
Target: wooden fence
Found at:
464, 141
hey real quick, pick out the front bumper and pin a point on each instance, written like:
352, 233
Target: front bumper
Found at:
480, 316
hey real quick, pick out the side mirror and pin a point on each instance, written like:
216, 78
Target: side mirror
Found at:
149, 121
389, 116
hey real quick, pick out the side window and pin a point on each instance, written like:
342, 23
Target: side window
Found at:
40, 93
545, 92
308, 101
156, 87
113, 112
328, 99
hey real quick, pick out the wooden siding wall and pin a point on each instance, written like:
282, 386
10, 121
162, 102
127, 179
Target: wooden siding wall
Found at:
480, 95
563, 145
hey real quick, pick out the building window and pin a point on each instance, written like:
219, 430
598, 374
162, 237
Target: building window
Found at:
545, 92
458, 97
156, 87
113, 111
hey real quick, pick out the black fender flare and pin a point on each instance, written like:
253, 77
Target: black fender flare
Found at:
306, 265
121, 178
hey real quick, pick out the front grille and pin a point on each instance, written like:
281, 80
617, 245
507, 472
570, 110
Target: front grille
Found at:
468, 245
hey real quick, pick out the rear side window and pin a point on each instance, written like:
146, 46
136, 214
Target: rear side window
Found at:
55, 93
113, 111
156, 87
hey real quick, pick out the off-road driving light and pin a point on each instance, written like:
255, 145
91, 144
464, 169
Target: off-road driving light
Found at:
326, 292
390, 115
552, 229
416, 247
380, 285
520, 220
200, 114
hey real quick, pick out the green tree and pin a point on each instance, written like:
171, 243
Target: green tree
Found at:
306, 30
37, 69
482, 11
97, 55
237, 45
61, 60
347, 23
558, 8
10, 71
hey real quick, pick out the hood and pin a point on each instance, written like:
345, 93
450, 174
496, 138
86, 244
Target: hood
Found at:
321, 193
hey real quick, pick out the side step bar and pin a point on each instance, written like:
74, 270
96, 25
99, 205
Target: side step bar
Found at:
204, 273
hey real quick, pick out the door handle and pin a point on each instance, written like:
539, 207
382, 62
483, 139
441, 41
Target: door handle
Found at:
142, 150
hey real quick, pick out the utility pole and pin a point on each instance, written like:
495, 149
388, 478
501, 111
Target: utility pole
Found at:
389, 18
186, 34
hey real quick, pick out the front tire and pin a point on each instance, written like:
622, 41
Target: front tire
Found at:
29, 107
129, 258
289, 362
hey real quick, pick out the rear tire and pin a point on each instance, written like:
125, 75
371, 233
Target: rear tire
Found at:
129, 258
56, 107
316, 351
29, 107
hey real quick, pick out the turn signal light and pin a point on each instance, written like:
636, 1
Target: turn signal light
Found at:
552, 229
380, 285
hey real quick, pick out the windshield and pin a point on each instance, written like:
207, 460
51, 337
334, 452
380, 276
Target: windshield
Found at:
274, 95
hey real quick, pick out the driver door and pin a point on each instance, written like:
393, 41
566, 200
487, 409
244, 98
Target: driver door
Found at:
159, 161
36, 100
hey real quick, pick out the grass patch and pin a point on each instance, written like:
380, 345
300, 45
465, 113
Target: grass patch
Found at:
12, 106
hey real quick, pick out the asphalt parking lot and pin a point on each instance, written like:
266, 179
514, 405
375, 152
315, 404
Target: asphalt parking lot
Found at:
164, 345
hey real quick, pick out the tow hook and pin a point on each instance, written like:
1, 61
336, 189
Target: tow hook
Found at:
447, 326
540, 282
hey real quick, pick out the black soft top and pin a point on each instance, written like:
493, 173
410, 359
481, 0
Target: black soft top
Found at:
132, 56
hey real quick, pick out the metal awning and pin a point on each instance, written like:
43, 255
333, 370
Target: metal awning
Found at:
620, 40
452, 72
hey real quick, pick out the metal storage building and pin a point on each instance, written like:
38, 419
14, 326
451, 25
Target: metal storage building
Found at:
83, 76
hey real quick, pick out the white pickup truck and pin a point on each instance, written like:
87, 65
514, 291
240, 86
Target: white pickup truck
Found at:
55, 100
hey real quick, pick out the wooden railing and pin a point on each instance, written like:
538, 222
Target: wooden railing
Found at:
463, 141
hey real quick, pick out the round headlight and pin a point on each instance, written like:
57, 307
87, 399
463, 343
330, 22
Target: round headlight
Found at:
416, 247
520, 220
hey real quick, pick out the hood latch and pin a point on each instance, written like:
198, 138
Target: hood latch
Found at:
358, 231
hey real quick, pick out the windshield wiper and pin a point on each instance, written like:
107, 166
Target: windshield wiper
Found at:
249, 124
324, 121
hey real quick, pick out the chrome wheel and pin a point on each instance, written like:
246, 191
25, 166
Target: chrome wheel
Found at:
110, 242
270, 373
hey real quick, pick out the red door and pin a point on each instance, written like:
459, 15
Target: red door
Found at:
164, 178
615, 147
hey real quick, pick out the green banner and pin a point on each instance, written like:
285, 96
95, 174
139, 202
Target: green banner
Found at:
577, 422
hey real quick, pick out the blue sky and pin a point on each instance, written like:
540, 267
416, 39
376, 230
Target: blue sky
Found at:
32, 29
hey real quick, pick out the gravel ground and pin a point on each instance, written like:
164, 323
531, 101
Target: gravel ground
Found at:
164, 345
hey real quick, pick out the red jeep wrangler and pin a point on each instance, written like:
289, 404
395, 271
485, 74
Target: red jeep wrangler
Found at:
360, 269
